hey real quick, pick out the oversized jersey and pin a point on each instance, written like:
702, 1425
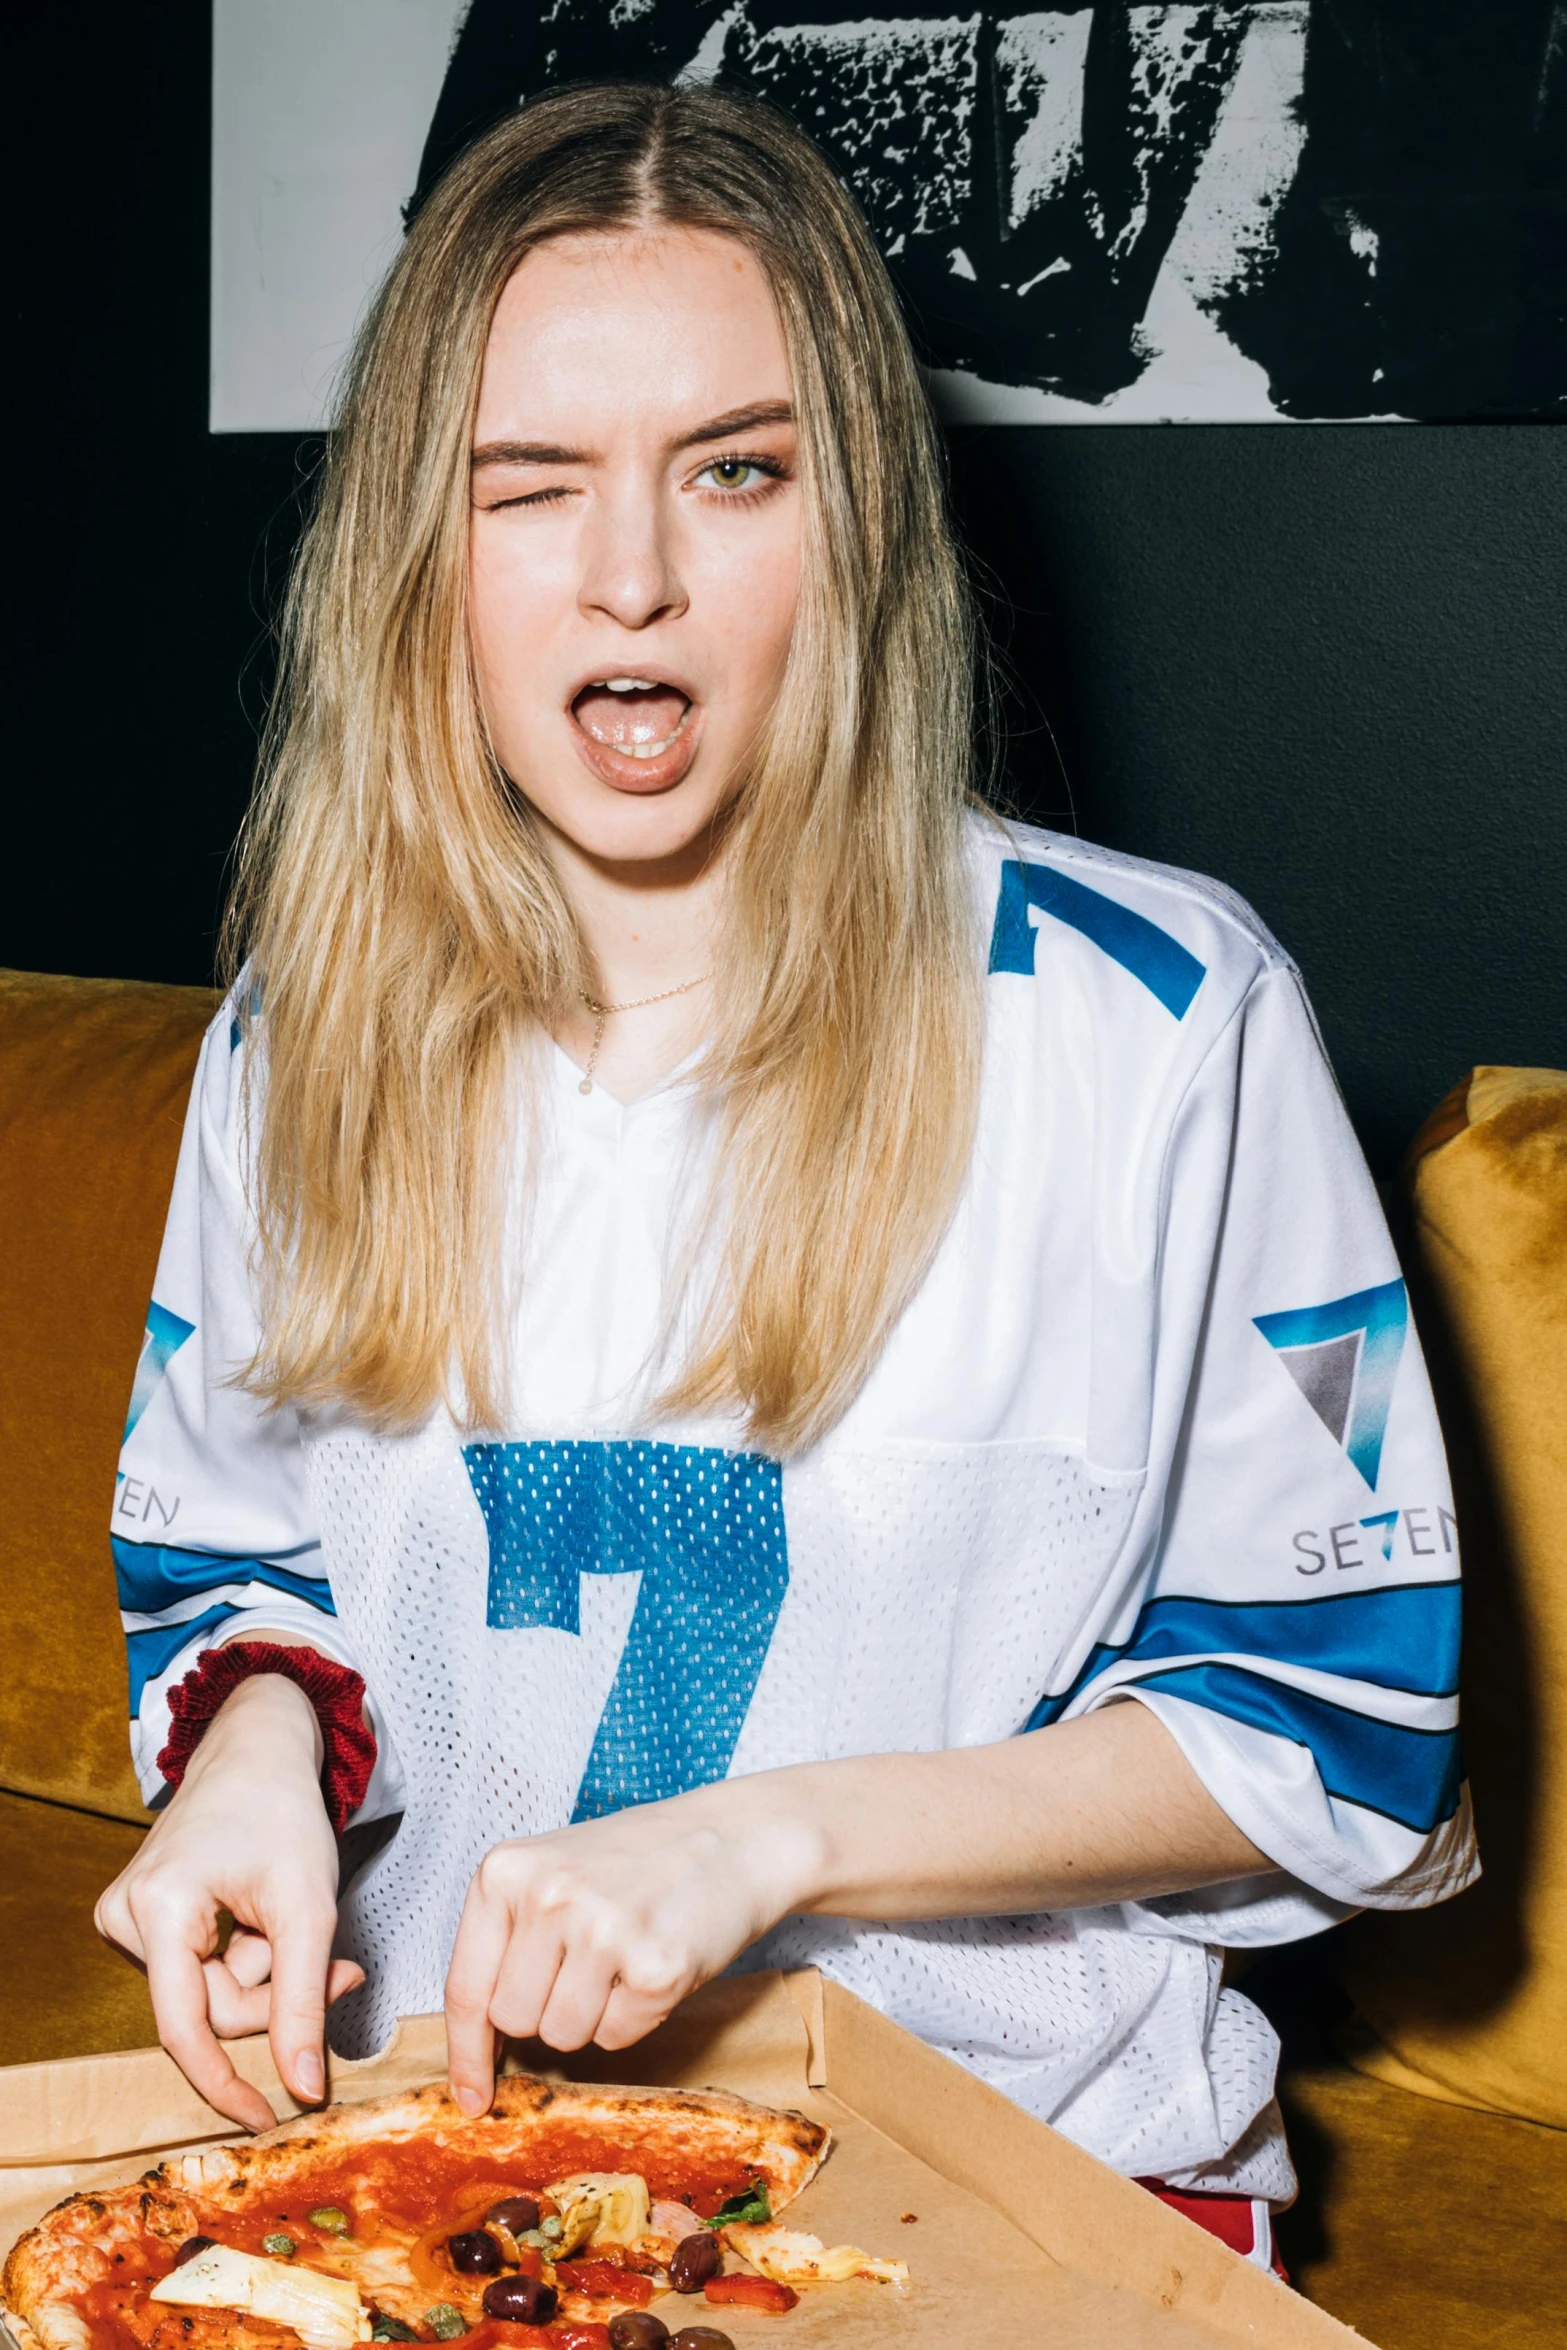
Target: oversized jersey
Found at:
1155, 1427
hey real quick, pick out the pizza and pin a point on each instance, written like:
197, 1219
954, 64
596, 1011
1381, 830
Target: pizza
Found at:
553, 2220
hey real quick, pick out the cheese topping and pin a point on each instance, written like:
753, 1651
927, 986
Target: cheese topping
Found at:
790, 2257
325, 2312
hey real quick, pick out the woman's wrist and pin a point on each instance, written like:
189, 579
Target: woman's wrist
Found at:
265, 1720
342, 1737
773, 1827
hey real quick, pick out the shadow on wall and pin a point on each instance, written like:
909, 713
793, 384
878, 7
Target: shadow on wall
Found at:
1322, 664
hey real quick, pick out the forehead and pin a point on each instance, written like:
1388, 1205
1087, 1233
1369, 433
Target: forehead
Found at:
646, 327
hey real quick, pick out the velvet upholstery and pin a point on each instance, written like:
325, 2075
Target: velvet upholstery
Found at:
1426, 2227
1469, 2002
63, 1991
94, 1075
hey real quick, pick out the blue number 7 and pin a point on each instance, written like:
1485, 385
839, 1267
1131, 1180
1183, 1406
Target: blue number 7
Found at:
705, 1530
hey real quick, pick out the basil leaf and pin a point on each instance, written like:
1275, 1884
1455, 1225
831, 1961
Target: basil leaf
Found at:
750, 2208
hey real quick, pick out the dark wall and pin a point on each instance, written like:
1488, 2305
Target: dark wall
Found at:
1322, 662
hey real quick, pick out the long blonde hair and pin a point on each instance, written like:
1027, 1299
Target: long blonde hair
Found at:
404, 923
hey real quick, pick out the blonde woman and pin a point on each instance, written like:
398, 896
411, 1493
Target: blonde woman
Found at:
774, 1371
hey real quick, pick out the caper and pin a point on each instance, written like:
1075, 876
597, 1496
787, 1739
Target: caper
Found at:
445, 2322
331, 2219
281, 2247
390, 2329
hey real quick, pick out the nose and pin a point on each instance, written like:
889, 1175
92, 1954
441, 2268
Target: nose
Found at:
629, 569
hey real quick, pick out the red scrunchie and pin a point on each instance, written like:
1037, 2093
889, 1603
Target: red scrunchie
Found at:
336, 1691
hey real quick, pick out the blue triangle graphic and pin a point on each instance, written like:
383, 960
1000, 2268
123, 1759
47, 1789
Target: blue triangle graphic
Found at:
166, 1334
1378, 1318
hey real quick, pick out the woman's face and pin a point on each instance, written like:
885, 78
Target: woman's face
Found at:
635, 550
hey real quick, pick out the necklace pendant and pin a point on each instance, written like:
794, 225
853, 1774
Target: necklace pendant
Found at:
586, 1086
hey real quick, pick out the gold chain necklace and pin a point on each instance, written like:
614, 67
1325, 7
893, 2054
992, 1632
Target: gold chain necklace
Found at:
602, 1012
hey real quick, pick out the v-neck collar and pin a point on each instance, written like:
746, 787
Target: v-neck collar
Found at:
602, 1108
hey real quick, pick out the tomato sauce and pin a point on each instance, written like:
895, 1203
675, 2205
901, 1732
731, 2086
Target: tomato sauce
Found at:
745, 2292
422, 2184
604, 2280
422, 2188
122, 2318
562, 2333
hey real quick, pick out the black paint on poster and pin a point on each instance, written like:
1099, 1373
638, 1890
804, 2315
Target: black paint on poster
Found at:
1368, 197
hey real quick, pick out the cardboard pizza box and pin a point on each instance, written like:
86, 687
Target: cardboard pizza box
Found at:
1012, 2234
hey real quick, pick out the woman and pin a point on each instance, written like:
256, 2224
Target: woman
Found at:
748, 1302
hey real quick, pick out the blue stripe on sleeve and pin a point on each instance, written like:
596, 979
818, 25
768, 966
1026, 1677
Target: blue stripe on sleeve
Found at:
151, 1653
1166, 968
1412, 1776
1404, 1636
152, 1577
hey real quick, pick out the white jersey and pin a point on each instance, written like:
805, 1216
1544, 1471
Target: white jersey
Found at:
1155, 1425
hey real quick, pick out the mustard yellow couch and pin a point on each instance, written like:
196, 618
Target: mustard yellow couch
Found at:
1433, 2157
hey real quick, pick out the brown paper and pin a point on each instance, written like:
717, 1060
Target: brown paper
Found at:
1018, 2236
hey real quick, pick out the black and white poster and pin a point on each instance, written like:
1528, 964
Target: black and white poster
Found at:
1287, 210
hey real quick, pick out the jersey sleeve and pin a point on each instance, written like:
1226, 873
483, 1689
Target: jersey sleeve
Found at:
1295, 1619
212, 1528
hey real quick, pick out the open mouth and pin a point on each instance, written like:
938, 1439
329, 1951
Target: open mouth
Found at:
640, 717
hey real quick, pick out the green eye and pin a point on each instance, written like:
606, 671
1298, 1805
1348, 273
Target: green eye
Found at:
730, 473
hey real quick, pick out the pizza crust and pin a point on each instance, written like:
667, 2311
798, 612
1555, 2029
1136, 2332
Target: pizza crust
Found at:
72, 2246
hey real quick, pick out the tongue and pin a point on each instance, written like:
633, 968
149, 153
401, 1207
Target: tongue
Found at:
623, 719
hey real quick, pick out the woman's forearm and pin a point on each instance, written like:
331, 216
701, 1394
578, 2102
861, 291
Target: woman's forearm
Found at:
597, 1931
1102, 1809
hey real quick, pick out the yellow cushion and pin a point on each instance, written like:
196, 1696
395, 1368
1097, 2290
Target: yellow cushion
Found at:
1424, 2227
1469, 2002
94, 1075
63, 1992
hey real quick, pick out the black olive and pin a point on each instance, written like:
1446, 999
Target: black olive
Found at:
191, 2246
473, 2254
637, 2329
695, 2258
700, 2338
518, 2215
527, 2299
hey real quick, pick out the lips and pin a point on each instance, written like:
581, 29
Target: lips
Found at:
638, 732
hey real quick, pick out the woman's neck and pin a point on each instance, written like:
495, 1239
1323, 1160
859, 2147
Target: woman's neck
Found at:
648, 931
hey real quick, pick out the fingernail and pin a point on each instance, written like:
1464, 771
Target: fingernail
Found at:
309, 2074
470, 2101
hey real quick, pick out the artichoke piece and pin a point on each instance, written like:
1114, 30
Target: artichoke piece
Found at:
600, 2207
325, 2312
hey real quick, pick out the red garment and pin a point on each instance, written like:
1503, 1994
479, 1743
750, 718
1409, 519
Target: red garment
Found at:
1244, 2222
336, 1692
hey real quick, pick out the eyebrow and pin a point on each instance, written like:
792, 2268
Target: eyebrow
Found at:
716, 428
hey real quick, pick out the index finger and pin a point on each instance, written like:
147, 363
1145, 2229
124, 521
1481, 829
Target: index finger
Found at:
301, 1938
482, 1936
179, 2001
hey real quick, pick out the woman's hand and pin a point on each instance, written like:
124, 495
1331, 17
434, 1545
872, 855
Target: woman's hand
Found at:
247, 1832
598, 1931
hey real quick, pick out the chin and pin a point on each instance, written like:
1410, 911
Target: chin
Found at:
615, 828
